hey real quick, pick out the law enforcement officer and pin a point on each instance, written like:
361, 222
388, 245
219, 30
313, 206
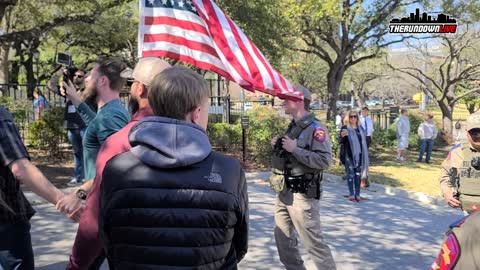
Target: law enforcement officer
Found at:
460, 174
461, 249
298, 162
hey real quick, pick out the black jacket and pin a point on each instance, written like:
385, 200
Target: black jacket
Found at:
172, 203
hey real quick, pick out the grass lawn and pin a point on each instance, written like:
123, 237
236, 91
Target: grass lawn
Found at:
409, 175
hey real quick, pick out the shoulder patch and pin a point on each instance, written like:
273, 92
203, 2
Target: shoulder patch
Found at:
457, 147
449, 254
320, 135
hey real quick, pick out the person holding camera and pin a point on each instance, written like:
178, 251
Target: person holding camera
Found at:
298, 161
76, 128
460, 173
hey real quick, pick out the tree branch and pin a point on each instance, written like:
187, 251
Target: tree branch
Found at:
475, 90
39, 30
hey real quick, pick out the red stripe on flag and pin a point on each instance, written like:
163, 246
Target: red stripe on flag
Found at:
283, 82
188, 59
267, 67
191, 44
255, 73
216, 30
187, 25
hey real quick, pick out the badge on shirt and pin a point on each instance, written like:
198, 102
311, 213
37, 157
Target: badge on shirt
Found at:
320, 135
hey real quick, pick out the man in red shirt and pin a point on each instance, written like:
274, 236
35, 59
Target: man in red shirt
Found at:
88, 247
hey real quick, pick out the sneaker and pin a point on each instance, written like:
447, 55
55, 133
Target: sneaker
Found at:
419, 160
74, 182
428, 162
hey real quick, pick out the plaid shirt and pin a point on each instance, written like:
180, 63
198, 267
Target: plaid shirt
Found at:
11, 149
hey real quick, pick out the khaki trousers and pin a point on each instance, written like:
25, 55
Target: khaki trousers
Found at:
295, 212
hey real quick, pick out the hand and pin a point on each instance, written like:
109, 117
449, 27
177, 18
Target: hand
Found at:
69, 204
75, 216
70, 92
289, 145
274, 141
452, 202
343, 133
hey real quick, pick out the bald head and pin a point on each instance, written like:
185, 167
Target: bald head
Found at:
141, 77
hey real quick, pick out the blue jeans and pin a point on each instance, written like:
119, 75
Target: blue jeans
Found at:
16, 240
426, 145
75, 136
353, 178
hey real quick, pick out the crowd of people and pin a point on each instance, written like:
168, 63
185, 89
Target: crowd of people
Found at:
152, 194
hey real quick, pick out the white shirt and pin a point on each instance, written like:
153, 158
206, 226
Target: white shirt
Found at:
427, 131
403, 126
338, 122
367, 125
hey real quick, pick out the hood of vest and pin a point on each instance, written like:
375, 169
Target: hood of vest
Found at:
168, 143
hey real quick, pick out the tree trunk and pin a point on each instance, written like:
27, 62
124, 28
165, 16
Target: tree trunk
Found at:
334, 77
4, 50
447, 118
31, 80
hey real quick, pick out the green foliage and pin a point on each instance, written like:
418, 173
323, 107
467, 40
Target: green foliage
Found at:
47, 132
262, 21
303, 69
225, 136
265, 123
334, 135
18, 108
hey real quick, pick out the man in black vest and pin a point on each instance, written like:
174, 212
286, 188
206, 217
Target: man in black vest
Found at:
171, 202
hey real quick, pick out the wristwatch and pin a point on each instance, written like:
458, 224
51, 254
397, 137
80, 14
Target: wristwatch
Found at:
81, 194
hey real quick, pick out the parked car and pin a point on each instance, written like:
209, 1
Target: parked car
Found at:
373, 102
388, 102
343, 104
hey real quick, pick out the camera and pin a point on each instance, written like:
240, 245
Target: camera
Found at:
65, 60
475, 163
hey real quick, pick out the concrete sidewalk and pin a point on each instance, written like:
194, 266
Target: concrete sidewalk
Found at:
382, 232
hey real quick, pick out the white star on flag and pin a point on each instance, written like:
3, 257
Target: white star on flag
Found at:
181, 4
151, 2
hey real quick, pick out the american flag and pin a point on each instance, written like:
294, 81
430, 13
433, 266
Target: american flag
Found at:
199, 33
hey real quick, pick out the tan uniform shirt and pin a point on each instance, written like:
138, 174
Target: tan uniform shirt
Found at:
315, 138
453, 160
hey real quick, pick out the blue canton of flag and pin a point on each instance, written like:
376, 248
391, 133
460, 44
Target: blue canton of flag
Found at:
175, 4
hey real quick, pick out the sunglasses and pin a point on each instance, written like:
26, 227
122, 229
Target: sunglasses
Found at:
130, 82
475, 134
79, 76
353, 116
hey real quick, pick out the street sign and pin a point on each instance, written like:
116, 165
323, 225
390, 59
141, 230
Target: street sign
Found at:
245, 122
